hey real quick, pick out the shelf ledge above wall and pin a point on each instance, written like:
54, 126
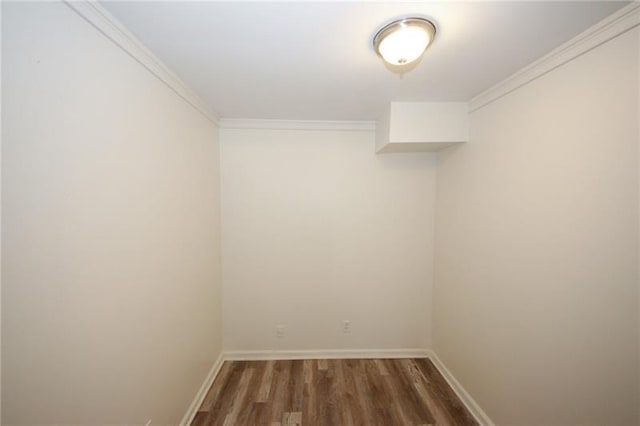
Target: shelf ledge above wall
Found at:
422, 126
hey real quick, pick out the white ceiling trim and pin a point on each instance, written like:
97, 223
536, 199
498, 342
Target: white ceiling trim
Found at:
109, 26
618, 23
235, 123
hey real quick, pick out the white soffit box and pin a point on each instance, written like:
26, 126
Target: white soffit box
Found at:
422, 126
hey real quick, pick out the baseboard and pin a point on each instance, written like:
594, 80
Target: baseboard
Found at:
324, 354
202, 392
464, 396
473, 407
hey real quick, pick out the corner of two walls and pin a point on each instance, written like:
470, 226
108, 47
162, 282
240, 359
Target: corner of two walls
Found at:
110, 230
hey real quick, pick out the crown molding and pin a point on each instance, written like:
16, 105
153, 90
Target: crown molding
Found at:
612, 26
235, 123
108, 25
618, 23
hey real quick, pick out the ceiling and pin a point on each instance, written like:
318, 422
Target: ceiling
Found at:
314, 60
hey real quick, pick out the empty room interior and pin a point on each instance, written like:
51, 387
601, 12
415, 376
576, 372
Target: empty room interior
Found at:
320, 213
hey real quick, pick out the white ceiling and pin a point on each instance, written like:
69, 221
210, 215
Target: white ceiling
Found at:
314, 60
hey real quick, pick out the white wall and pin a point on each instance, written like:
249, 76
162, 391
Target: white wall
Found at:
638, 123
317, 229
536, 285
1, 221
110, 245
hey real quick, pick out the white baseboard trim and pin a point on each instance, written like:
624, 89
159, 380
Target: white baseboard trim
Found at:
464, 396
473, 407
202, 392
324, 354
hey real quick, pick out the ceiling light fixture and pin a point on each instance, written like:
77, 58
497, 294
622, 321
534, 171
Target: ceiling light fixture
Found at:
405, 40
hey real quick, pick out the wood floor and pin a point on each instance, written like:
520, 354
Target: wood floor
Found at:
332, 392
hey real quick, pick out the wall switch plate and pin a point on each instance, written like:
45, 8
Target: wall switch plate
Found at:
279, 331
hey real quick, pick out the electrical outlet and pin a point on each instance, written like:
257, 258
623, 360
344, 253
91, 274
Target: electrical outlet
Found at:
280, 331
346, 326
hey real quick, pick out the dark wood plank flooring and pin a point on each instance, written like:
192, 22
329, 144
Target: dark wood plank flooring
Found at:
333, 392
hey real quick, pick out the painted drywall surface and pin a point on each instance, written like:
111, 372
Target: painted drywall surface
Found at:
429, 122
111, 307
0, 223
535, 294
422, 126
383, 127
317, 229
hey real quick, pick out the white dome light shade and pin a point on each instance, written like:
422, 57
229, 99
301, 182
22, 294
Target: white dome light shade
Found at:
404, 45
403, 41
